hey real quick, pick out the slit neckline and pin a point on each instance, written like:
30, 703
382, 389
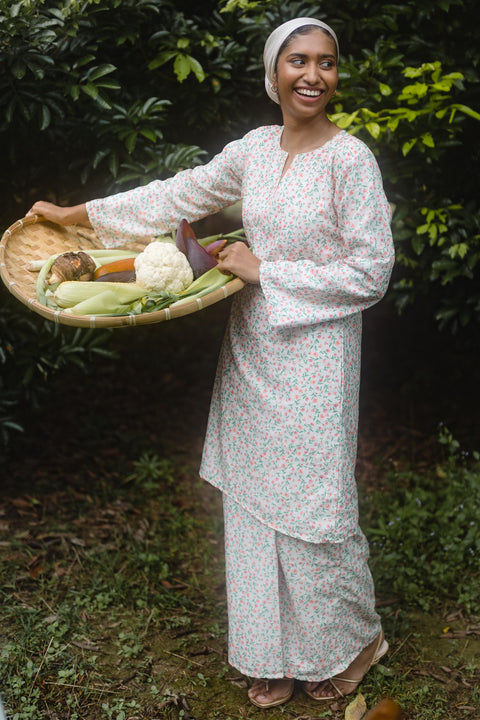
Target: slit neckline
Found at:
286, 154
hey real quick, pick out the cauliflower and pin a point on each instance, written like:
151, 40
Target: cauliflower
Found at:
161, 266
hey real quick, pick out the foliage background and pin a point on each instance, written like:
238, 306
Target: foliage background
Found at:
101, 95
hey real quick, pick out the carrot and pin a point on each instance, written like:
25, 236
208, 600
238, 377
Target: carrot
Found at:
114, 267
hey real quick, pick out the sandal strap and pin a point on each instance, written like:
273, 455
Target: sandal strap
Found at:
346, 680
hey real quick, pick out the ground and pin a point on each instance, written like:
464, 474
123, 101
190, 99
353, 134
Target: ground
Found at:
80, 502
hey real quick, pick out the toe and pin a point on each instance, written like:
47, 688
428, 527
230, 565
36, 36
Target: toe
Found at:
323, 689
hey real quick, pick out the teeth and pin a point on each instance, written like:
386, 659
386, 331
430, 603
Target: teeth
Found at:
310, 93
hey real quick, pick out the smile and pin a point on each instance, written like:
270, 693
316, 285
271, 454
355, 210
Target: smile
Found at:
309, 93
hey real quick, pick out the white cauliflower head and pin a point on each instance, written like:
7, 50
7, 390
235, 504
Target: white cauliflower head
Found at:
161, 266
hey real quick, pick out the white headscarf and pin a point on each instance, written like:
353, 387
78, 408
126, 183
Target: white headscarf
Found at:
275, 41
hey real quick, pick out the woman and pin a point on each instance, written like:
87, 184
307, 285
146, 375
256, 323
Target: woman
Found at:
282, 431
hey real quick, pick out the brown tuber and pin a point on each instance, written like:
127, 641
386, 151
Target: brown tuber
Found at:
71, 266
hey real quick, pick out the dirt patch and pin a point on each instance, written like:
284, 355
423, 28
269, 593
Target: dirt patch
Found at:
153, 613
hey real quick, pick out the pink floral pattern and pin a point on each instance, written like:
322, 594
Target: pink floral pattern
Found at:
282, 431
296, 609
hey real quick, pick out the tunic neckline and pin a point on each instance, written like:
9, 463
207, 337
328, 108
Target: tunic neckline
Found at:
284, 153
313, 150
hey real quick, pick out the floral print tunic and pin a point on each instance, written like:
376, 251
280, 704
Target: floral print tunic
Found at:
282, 431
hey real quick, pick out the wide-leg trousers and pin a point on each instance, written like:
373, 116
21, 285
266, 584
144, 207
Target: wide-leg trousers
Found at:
295, 609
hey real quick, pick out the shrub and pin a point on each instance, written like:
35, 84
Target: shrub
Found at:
31, 351
113, 93
424, 533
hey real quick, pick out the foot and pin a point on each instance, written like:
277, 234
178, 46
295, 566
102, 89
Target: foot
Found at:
269, 693
348, 681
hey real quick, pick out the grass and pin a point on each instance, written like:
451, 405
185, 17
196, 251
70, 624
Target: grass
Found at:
113, 603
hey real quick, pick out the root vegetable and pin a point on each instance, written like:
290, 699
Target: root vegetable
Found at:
71, 266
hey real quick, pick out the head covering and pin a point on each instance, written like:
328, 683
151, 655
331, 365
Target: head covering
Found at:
275, 41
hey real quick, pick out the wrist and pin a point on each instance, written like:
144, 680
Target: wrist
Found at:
75, 215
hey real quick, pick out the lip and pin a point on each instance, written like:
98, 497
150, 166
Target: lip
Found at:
308, 98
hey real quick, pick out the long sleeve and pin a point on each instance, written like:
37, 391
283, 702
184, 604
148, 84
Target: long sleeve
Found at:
158, 207
303, 292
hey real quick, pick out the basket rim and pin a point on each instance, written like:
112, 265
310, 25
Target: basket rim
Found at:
102, 321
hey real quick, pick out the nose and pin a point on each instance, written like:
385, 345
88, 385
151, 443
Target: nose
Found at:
311, 73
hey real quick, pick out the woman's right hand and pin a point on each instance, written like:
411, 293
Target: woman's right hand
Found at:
73, 215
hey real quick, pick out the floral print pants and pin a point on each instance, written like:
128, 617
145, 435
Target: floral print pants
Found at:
296, 609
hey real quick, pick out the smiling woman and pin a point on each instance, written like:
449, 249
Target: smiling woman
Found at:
303, 81
282, 430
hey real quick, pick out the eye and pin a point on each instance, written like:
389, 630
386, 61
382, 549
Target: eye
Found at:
297, 61
327, 64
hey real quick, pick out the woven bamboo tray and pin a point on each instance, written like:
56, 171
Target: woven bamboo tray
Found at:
33, 238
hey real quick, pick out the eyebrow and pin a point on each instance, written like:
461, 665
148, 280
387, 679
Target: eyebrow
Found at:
303, 55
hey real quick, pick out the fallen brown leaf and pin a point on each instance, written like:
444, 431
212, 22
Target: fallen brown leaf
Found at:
356, 709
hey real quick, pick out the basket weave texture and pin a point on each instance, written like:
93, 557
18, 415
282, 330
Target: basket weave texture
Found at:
33, 238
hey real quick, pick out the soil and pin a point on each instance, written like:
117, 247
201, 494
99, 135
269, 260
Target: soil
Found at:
156, 396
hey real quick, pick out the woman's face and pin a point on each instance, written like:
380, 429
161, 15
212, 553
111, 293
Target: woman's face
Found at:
306, 75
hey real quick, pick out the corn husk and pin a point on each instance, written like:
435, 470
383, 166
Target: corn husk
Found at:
70, 293
206, 283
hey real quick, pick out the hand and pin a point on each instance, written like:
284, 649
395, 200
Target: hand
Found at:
76, 214
239, 260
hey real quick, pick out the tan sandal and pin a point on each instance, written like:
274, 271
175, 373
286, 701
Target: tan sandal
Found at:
381, 648
263, 686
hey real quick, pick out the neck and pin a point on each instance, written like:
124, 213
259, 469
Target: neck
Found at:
303, 136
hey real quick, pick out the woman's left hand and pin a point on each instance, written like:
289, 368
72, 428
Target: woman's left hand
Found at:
239, 260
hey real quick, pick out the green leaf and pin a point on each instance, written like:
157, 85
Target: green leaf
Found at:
113, 164
13, 425
460, 249
184, 65
197, 69
109, 85
344, 120
417, 90
422, 229
83, 60
45, 117
19, 69
181, 67
232, 5
149, 134
466, 110
15, 9
393, 123
374, 129
385, 89
90, 90
427, 139
100, 71
161, 60
407, 146
418, 244
98, 157
131, 141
